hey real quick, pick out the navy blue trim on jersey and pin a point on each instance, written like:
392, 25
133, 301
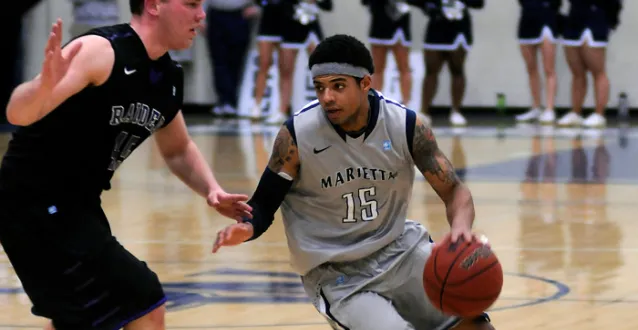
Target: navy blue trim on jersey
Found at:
312, 105
325, 300
374, 100
410, 125
410, 122
290, 125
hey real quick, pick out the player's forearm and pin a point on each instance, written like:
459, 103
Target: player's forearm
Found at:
28, 103
460, 208
269, 194
191, 167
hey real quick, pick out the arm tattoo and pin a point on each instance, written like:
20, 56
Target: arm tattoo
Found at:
283, 151
431, 161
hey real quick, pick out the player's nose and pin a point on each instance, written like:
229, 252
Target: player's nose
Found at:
328, 96
201, 14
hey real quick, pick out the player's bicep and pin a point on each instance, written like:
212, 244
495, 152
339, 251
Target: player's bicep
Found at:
284, 156
92, 65
433, 164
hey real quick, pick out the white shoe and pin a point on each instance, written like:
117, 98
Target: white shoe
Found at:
457, 119
276, 118
218, 110
595, 120
547, 117
529, 115
570, 119
229, 110
255, 112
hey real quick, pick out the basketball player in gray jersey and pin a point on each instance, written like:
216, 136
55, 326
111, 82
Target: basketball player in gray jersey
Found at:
342, 170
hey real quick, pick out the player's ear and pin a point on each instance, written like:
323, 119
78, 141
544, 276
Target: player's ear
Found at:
152, 6
366, 83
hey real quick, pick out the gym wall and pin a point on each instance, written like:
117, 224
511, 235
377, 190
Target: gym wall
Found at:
494, 64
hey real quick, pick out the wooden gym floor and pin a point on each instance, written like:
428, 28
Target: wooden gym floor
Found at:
559, 207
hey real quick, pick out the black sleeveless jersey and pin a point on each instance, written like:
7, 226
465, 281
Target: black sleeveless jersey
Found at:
77, 147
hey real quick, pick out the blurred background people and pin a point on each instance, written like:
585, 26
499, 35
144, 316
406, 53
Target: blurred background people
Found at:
585, 37
539, 30
448, 38
300, 29
228, 34
389, 30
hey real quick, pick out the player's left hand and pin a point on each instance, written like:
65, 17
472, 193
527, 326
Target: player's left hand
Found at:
230, 205
232, 235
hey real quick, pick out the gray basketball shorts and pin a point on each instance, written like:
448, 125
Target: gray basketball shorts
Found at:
380, 292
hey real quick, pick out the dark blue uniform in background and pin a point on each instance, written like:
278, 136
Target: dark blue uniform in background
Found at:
443, 32
387, 24
540, 19
591, 21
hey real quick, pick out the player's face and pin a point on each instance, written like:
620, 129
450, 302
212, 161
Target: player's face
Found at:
180, 20
341, 96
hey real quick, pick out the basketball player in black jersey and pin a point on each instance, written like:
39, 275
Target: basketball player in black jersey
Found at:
94, 102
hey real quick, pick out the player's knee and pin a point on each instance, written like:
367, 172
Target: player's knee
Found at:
156, 317
153, 320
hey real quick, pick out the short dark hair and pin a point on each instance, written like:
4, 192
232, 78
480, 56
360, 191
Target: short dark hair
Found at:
342, 48
137, 6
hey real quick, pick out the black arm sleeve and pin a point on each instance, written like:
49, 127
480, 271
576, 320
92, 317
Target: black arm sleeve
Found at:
268, 196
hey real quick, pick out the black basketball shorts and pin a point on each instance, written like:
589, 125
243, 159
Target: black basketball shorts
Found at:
72, 268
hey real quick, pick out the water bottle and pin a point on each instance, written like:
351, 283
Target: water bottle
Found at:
501, 105
623, 108
623, 120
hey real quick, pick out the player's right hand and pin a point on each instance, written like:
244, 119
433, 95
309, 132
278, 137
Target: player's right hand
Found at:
55, 65
234, 234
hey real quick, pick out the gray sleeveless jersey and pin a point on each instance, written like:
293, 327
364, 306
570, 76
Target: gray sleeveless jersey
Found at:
351, 196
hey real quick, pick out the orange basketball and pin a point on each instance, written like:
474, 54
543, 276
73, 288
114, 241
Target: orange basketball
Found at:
462, 279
